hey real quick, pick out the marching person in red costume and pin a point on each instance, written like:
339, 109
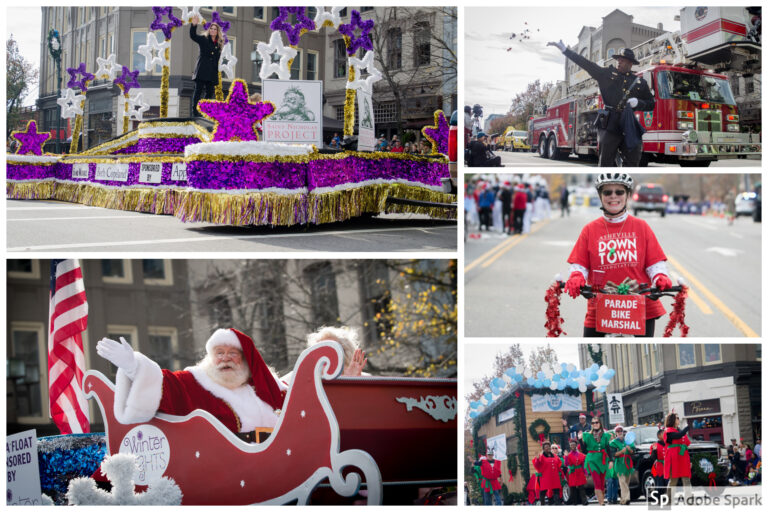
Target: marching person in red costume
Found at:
232, 382
491, 471
548, 464
657, 459
677, 460
533, 487
577, 478
615, 247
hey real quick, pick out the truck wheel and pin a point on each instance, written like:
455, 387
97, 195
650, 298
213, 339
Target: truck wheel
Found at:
647, 483
695, 163
663, 213
543, 149
554, 152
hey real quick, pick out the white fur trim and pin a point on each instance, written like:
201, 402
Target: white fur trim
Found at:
575, 267
247, 148
137, 400
31, 159
222, 337
656, 269
252, 410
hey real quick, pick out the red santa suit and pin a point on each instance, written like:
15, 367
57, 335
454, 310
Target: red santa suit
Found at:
152, 390
658, 464
549, 467
677, 460
574, 462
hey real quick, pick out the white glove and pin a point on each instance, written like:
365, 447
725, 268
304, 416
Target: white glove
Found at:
560, 46
632, 102
119, 354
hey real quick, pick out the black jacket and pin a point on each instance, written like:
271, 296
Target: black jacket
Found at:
207, 67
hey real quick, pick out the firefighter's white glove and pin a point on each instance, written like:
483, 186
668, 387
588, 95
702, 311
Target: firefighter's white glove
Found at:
119, 354
632, 102
560, 46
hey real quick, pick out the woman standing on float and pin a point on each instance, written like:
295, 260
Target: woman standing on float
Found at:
677, 460
206, 75
595, 444
614, 247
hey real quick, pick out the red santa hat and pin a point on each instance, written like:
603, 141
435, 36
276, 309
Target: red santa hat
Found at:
262, 379
582, 415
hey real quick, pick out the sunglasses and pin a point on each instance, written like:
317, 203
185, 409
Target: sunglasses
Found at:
595, 422
610, 192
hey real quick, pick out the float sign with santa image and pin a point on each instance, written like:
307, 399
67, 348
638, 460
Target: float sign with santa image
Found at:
152, 451
298, 115
366, 129
21, 469
620, 314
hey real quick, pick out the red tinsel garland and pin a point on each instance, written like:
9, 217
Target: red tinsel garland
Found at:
554, 320
677, 316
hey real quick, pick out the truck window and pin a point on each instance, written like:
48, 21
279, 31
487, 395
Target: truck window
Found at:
679, 85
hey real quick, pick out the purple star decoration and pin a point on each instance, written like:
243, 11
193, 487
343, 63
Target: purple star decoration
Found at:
235, 118
30, 140
215, 18
293, 32
83, 82
123, 80
438, 134
364, 41
167, 28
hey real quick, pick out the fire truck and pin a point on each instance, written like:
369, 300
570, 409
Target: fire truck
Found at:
695, 120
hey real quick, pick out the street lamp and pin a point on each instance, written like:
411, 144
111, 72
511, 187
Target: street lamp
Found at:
54, 47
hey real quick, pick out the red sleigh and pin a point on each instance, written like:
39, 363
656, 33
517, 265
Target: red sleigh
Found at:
331, 428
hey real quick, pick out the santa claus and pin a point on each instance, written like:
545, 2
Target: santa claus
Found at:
232, 382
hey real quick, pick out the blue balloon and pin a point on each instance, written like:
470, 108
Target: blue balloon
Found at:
565, 374
510, 372
488, 397
574, 384
547, 383
609, 373
530, 381
537, 384
602, 389
499, 382
594, 367
563, 367
474, 405
540, 374
561, 385
518, 377
556, 377
473, 414
593, 377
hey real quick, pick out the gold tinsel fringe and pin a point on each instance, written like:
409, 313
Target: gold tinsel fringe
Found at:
164, 85
242, 209
421, 194
161, 201
29, 189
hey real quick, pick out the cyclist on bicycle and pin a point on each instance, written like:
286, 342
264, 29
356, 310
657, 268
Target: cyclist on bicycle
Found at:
614, 247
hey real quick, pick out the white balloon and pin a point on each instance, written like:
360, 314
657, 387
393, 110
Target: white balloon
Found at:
527, 373
602, 369
571, 367
553, 385
506, 378
582, 387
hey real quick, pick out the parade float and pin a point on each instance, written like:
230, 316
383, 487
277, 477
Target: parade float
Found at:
236, 165
521, 410
338, 440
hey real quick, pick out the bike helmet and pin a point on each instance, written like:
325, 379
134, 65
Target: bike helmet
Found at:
620, 178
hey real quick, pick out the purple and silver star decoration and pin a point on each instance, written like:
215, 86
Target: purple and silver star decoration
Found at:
85, 77
167, 28
215, 18
355, 43
293, 32
30, 141
123, 80
235, 118
438, 134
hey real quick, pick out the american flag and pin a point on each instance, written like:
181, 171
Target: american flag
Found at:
67, 319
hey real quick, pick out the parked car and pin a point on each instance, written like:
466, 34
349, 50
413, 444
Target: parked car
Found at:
746, 202
649, 197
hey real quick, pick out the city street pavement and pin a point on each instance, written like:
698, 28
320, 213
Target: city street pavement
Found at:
528, 159
506, 277
58, 226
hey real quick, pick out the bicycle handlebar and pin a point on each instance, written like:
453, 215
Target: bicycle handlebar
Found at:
653, 292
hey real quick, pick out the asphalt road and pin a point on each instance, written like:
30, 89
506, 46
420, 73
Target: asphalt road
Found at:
58, 226
506, 277
528, 159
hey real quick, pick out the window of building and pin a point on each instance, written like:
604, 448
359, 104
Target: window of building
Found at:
131, 335
366, 9
395, 48
23, 269
384, 111
255, 78
258, 13
231, 11
272, 321
712, 354
157, 272
26, 366
322, 285
296, 65
220, 312
421, 44
116, 271
686, 355
312, 59
749, 85
610, 53
339, 112
373, 276
311, 12
339, 59
163, 347
343, 12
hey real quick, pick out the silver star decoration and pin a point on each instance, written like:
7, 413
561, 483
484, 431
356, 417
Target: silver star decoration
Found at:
229, 68
137, 106
374, 75
331, 16
197, 455
288, 451
303, 414
286, 54
108, 68
188, 13
242, 483
70, 103
148, 52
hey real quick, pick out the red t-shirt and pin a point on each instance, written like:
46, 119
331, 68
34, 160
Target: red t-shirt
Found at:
636, 249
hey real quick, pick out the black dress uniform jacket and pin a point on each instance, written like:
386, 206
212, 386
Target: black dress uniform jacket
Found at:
207, 67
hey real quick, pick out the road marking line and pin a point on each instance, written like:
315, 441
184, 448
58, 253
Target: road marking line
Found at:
703, 306
265, 237
482, 257
730, 315
131, 217
700, 224
51, 206
537, 227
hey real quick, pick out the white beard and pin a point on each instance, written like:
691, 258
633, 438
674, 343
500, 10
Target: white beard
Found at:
230, 379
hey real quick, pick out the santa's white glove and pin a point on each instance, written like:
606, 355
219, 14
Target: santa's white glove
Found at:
632, 102
560, 45
119, 354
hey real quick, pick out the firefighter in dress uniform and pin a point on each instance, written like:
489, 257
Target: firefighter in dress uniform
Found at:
619, 89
